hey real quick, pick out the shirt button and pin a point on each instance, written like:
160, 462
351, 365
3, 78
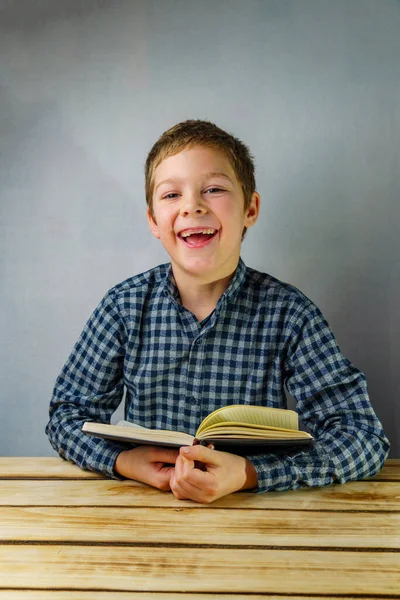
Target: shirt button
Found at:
193, 401
198, 342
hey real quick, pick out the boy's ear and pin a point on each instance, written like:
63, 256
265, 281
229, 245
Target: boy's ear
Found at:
252, 211
152, 224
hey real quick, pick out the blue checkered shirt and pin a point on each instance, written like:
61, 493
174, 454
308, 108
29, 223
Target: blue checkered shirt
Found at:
263, 336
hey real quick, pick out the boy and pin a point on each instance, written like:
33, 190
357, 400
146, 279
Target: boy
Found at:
206, 331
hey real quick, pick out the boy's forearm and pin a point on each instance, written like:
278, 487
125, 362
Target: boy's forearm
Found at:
66, 437
89, 388
251, 482
336, 457
332, 402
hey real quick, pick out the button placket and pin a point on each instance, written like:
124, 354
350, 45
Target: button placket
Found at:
195, 363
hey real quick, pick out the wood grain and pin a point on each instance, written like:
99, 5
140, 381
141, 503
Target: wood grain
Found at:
82, 595
369, 496
69, 529
202, 570
219, 527
390, 471
13, 467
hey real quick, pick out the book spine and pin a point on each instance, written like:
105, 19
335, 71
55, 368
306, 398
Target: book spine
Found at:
197, 442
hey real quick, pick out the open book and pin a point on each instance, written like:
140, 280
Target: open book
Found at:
239, 425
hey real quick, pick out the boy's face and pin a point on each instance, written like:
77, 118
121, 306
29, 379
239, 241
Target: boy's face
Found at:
199, 213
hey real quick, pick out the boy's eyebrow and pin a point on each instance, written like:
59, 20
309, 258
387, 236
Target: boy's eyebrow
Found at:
206, 176
219, 174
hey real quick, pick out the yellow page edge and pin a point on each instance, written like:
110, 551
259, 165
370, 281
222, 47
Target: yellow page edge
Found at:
239, 424
250, 407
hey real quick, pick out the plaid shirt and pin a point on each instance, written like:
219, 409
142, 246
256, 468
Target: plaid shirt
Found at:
262, 336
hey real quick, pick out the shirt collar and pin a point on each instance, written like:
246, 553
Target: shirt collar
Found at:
237, 281
235, 284
171, 289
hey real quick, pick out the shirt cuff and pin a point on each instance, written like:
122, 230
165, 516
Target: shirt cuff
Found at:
104, 463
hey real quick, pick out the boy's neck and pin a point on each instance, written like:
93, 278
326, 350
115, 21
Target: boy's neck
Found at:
201, 297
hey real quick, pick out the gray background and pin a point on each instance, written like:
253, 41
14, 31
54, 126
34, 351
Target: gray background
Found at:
313, 86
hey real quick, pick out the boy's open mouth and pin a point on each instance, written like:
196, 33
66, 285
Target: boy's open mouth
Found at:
197, 238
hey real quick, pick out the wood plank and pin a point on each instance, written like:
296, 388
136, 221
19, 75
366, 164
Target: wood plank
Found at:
70, 595
390, 471
203, 570
58, 595
45, 467
361, 495
218, 526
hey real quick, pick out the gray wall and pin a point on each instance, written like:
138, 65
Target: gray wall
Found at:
313, 86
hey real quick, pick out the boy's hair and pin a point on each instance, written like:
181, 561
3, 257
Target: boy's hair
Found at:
201, 133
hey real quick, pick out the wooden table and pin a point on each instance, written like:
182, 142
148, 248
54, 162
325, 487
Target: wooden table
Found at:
70, 534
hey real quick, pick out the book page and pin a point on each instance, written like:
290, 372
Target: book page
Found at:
229, 424
273, 433
254, 415
130, 424
138, 435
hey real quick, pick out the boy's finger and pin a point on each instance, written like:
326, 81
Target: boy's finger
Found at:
191, 464
186, 475
159, 454
202, 454
185, 467
196, 487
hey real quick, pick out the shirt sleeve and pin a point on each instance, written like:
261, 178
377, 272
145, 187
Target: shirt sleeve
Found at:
332, 402
90, 388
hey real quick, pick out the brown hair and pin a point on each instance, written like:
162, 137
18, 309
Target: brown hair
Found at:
201, 133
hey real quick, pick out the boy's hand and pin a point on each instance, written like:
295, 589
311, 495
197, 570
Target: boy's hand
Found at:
224, 473
148, 464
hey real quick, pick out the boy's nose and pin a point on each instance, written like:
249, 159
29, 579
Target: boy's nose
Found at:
193, 204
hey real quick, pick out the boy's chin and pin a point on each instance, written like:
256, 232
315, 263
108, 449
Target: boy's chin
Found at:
204, 269
196, 265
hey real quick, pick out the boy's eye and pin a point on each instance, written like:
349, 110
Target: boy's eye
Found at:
170, 196
214, 190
